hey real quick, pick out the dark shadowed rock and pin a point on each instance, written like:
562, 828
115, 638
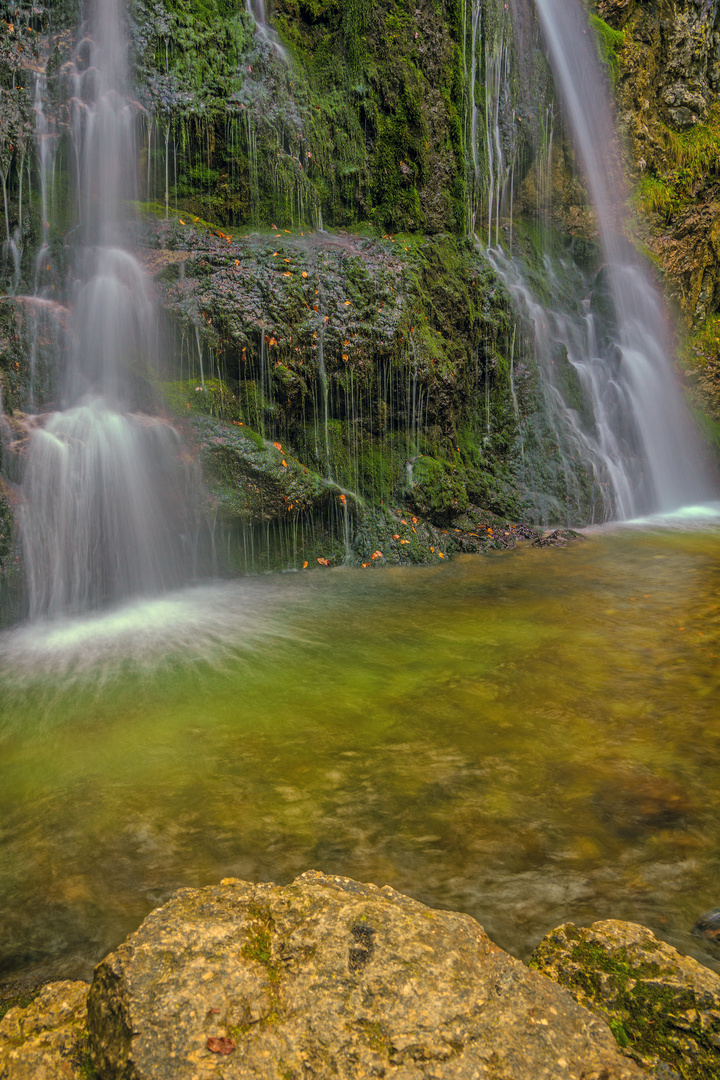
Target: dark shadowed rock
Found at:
664, 1008
326, 977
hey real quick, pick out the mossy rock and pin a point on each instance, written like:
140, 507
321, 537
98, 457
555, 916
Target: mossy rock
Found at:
44, 1034
252, 481
438, 490
662, 1007
391, 536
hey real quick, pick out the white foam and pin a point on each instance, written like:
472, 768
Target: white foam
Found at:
204, 623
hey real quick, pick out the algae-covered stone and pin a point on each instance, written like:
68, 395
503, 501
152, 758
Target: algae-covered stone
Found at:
47, 1039
253, 480
438, 489
663, 1008
327, 977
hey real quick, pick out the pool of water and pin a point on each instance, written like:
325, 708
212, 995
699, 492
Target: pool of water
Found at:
532, 737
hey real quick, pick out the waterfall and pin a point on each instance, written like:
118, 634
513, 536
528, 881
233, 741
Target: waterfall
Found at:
104, 511
628, 422
265, 33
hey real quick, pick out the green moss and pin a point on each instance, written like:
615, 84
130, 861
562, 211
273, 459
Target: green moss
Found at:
438, 489
650, 1015
212, 397
609, 43
656, 196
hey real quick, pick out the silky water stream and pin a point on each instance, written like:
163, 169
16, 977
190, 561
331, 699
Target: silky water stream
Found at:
531, 737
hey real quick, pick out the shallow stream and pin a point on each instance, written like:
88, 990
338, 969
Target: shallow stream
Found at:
532, 737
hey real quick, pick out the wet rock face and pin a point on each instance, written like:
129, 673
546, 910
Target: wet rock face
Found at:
664, 1008
328, 977
674, 53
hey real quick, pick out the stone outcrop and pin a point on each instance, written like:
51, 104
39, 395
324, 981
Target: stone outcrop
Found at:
328, 977
47, 1039
664, 1008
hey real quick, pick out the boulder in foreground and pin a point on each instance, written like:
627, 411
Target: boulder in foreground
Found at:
663, 1007
327, 977
47, 1039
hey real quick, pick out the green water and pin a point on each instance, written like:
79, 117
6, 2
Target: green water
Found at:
532, 738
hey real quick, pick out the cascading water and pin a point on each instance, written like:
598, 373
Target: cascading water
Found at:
628, 423
104, 512
256, 8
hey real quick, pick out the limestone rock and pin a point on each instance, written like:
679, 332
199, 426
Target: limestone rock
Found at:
327, 977
46, 1040
664, 1008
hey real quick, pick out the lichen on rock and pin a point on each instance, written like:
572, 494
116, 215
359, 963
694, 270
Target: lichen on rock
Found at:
46, 1039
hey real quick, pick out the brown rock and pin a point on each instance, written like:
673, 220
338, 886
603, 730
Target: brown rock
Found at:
663, 1007
47, 1040
327, 977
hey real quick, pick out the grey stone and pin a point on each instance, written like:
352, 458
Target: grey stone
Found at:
327, 977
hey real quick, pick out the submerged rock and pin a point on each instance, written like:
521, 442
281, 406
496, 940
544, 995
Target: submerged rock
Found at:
328, 977
663, 1008
708, 926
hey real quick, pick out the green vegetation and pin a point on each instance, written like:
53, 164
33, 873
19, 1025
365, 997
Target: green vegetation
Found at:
342, 129
609, 43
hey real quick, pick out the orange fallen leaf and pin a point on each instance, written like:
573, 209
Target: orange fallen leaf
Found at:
181, 221
414, 521
304, 273
277, 445
237, 262
396, 536
345, 356
347, 303
403, 521
440, 554
432, 549
377, 555
286, 273
404, 541
305, 565
323, 562
343, 499
284, 463
291, 506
